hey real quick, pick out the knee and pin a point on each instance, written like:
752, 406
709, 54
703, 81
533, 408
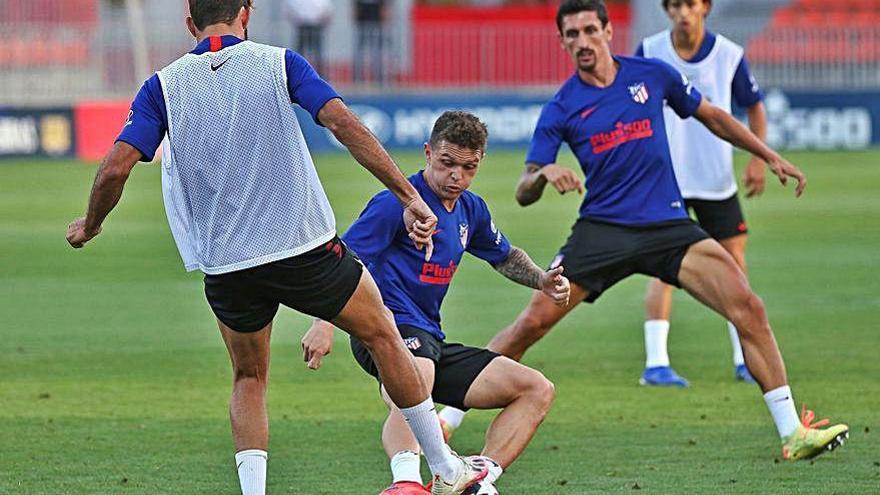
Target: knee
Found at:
749, 314
382, 331
250, 372
540, 391
754, 306
547, 392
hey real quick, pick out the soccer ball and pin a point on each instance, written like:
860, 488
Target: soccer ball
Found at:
482, 488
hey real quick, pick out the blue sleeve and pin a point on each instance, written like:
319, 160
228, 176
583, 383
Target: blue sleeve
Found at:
548, 136
147, 120
746, 91
678, 91
375, 229
306, 87
640, 51
487, 242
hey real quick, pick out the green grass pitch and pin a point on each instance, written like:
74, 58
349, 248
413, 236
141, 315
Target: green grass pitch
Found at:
113, 378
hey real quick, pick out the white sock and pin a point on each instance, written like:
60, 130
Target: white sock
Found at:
495, 470
738, 358
452, 416
656, 333
781, 405
425, 425
405, 466
252, 471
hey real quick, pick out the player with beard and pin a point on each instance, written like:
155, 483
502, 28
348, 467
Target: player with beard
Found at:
633, 219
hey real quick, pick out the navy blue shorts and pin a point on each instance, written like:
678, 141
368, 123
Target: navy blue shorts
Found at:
456, 365
597, 254
318, 283
721, 219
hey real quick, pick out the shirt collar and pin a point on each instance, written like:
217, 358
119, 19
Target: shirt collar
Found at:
705, 47
216, 43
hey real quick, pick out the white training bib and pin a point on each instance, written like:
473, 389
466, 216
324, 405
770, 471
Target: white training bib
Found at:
703, 163
238, 181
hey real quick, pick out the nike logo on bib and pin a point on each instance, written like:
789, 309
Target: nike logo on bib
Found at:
215, 67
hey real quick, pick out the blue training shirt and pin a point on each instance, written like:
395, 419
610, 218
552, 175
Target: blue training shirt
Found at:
148, 119
745, 89
618, 135
412, 288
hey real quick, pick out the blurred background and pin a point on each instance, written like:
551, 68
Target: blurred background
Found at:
68, 68
113, 378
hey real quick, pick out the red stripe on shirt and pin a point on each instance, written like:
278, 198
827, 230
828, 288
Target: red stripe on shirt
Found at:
435, 280
216, 43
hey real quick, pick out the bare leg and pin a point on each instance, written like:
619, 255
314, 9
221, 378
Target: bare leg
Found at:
736, 246
658, 300
396, 435
524, 394
366, 318
250, 373
658, 297
533, 323
658, 305
710, 274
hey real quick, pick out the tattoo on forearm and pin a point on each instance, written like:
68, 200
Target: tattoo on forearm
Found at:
521, 269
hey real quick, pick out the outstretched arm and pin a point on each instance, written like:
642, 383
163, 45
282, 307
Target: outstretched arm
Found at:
106, 191
535, 178
520, 268
726, 127
366, 149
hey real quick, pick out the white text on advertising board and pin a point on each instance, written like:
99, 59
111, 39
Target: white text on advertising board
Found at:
405, 127
18, 136
816, 128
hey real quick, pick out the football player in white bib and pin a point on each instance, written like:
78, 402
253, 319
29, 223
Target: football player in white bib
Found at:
703, 163
246, 207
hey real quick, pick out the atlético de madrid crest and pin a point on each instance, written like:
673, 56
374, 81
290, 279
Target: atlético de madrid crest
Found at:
639, 92
462, 234
412, 343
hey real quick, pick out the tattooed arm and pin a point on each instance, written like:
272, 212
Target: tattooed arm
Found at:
520, 268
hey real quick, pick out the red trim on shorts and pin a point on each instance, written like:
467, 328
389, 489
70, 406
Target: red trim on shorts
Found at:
216, 43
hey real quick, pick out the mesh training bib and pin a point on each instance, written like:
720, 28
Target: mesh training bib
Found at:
239, 184
703, 162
